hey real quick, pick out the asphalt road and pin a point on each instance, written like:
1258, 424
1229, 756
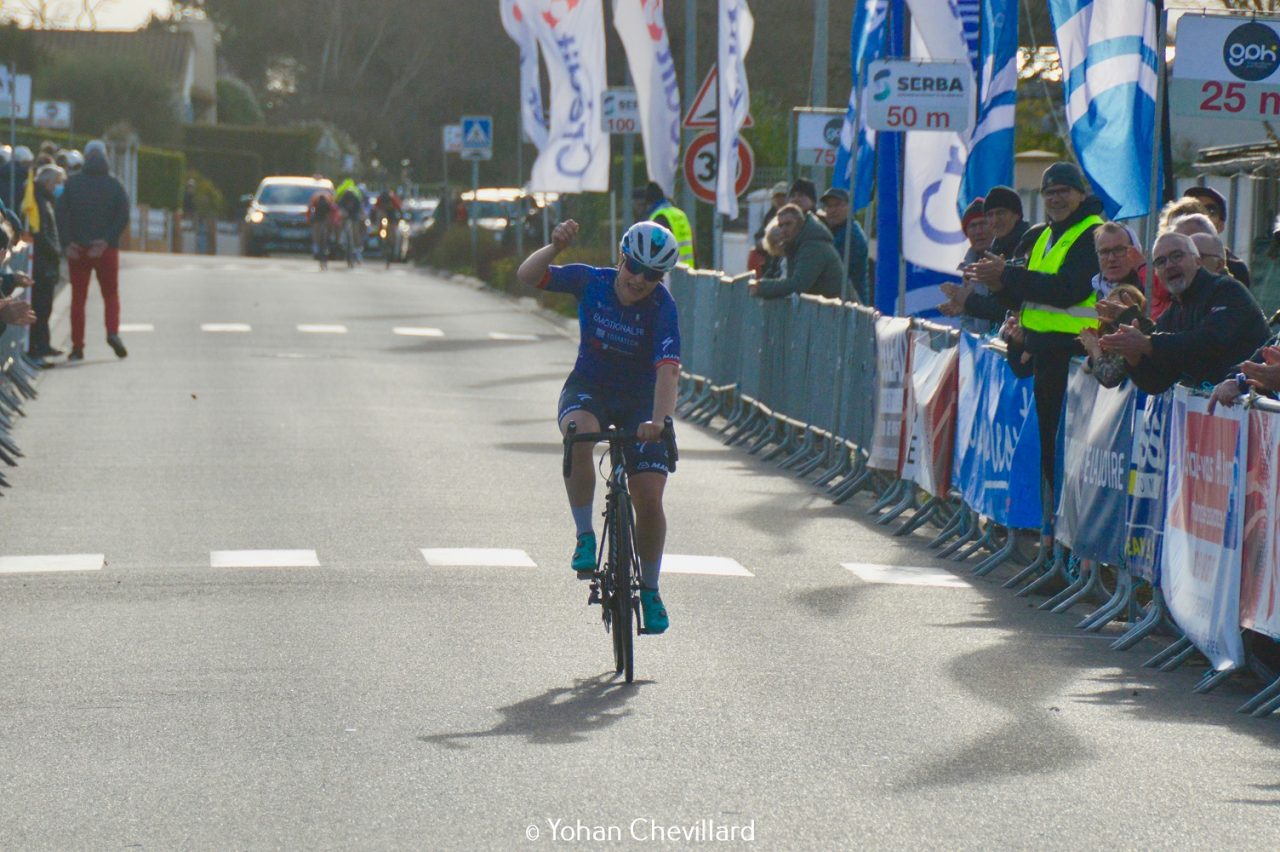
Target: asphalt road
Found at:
365, 697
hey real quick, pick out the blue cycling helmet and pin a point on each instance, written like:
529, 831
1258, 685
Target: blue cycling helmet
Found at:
651, 245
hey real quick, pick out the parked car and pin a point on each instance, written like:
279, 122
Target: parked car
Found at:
419, 213
500, 209
276, 218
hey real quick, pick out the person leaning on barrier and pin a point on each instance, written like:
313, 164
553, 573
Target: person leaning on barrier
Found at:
1212, 324
977, 230
1055, 291
759, 258
813, 266
1122, 305
835, 215
12, 311
1215, 207
1002, 208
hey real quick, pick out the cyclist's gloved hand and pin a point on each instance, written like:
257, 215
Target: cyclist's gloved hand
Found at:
649, 431
563, 234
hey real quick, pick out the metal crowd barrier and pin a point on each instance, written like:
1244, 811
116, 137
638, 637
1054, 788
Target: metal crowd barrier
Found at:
795, 381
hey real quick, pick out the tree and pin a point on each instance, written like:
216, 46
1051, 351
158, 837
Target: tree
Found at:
237, 103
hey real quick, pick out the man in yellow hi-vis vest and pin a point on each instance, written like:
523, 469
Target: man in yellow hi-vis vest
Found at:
652, 203
1055, 291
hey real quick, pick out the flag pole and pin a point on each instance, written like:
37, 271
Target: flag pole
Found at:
1153, 210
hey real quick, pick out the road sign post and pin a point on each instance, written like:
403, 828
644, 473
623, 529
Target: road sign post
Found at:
477, 145
620, 115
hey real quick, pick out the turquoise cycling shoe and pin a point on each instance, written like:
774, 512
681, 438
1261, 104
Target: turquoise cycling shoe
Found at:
655, 613
584, 554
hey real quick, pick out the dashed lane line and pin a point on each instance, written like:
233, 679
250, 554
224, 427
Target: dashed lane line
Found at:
411, 331
504, 335
263, 559
52, 563
226, 327
466, 557
321, 328
905, 575
135, 327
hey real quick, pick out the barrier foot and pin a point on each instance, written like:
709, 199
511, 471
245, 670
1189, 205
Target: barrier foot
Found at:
20, 382
951, 528
1181, 645
818, 460
1092, 578
848, 463
7, 459
1269, 692
1055, 572
851, 485
1266, 709
749, 430
887, 498
784, 446
908, 500
1151, 619
11, 447
743, 415
998, 558
1172, 664
706, 400
11, 402
768, 436
920, 518
1036, 566
802, 456
1117, 604
987, 539
1212, 680
972, 529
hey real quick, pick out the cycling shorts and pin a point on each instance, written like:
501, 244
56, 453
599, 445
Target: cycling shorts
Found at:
620, 410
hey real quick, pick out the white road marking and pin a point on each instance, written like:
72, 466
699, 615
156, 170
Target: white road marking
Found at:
493, 557
905, 575
131, 327
673, 563
321, 328
502, 335
410, 331
263, 559
226, 327
36, 564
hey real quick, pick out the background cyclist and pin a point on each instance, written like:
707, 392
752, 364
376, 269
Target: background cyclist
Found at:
322, 213
626, 374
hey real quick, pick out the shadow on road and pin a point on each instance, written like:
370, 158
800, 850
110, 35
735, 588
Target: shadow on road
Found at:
558, 716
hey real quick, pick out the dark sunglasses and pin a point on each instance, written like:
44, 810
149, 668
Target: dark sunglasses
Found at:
636, 268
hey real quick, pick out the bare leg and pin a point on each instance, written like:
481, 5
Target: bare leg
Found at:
651, 522
581, 484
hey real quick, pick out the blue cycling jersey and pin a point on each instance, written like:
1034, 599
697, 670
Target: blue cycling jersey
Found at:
621, 345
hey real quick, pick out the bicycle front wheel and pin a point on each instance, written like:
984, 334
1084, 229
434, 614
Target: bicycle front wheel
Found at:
621, 565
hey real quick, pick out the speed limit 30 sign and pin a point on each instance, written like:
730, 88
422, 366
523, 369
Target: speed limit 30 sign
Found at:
702, 164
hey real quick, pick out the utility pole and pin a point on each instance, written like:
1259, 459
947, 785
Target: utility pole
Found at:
818, 74
688, 203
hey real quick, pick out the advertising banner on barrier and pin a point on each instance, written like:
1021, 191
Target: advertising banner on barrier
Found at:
1000, 473
1200, 568
1148, 468
934, 383
1095, 465
891, 372
909, 437
1260, 567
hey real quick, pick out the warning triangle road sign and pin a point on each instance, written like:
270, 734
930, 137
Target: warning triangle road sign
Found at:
705, 108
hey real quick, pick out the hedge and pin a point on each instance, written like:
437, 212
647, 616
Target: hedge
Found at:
281, 151
161, 178
233, 172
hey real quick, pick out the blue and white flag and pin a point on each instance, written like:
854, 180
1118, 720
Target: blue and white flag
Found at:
517, 21
866, 46
990, 161
1109, 63
736, 28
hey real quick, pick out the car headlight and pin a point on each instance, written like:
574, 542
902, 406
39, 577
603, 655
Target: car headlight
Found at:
256, 217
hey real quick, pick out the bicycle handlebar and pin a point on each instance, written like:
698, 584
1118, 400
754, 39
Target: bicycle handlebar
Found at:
611, 435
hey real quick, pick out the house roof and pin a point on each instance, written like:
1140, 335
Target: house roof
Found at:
167, 52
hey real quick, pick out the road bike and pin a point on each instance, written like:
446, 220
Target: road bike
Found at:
615, 582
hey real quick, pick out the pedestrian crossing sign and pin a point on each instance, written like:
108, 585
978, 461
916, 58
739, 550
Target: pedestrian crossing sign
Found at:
477, 137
